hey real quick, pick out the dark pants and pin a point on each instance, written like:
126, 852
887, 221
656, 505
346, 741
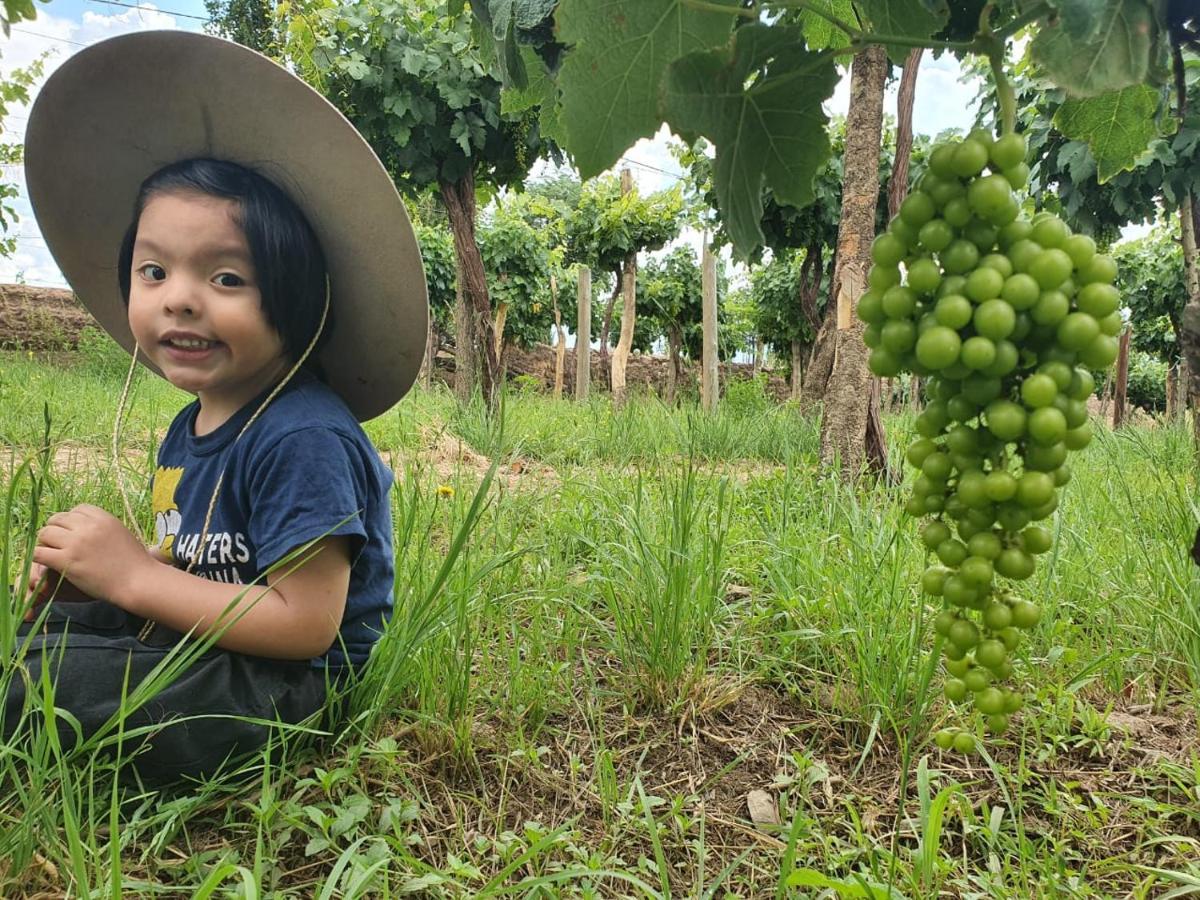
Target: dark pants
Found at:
88, 646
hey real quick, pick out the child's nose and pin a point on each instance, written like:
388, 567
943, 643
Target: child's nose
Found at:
182, 299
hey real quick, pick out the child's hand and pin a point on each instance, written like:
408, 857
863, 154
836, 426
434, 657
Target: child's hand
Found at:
93, 548
46, 584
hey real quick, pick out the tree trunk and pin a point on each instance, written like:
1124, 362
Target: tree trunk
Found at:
1172, 390
498, 328
628, 313
560, 343
797, 368
583, 335
459, 199
1119, 395
674, 363
757, 365
1188, 331
709, 388
898, 186
820, 365
464, 347
848, 400
426, 374
606, 327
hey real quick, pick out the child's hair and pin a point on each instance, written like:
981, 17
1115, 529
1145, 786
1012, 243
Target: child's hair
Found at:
288, 262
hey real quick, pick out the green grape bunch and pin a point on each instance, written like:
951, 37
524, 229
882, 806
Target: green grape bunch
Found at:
1005, 317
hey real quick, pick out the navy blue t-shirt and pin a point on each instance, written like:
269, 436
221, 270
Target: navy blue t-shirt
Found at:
305, 469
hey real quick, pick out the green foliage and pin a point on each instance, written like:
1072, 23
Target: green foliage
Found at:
775, 290
1086, 152
1147, 384
251, 23
414, 82
607, 226
669, 295
1150, 276
437, 252
14, 88
775, 128
515, 257
16, 11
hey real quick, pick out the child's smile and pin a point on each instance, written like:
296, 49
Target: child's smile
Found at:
194, 304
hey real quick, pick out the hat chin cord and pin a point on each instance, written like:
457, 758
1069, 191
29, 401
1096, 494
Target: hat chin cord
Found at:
130, 519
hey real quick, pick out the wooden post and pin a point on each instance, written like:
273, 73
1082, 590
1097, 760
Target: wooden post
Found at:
426, 374
1122, 379
583, 335
560, 340
628, 312
709, 389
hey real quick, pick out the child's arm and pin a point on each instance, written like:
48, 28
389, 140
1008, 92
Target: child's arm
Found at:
295, 616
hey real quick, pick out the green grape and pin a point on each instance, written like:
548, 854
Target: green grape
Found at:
997, 723
1112, 324
1007, 359
989, 701
1101, 351
977, 679
1045, 457
1013, 702
953, 312
957, 211
1025, 615
991, 653
933, 580
1047, 425
955, 690
936, 235
1078, 438
957, 667
1015, 564
1000, 486
951, 552
1036, 539
938, 347
997, 616
976, 570
917, 209
1034, 489
1100, 268
883, 362
870, 308
888, 250
1018, 175
1017, 230
1059, 371
941, 160
951, 284
924, 276
1007, 151
1038, 390
1080, 248
899, 335
981, 234
995, 319
962, 439
981, 388
999, 262
944, 191
1076, 331
984, 283
1023, 253
961, 256
958, 591
1051, 308
1021, 291
977, 352
1098, 299
1005, 419
969, 158
963, 634
873, 336
988, 195
934, 533
918, 450
944, 739
964, 743
1050, 268
1051, 232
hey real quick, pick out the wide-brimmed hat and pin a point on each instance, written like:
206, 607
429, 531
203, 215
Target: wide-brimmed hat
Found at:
121, 109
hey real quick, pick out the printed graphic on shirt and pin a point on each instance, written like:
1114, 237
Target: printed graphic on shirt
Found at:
222, 553
166, 510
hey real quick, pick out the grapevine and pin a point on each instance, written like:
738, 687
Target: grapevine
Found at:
1006, 317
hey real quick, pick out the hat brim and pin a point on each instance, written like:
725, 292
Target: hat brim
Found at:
121, 109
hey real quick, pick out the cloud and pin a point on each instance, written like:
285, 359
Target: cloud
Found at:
60, 38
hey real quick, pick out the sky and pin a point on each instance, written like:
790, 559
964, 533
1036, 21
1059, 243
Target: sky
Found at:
944, 99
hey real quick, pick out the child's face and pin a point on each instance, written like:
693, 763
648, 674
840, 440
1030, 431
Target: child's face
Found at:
194, 304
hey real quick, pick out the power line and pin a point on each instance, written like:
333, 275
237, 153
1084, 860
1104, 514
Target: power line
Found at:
169, 12
49, 37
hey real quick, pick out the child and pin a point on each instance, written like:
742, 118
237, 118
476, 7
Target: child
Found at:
269, 269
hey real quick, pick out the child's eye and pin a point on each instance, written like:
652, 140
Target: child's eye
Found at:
229, 280
152, 272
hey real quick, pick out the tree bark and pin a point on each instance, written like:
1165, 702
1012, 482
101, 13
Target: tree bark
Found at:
898, 186
848, 399
628, 313
797, 368
1119, 394
464, 346
606, 327
459, 199
560, 342
709, 387
583, 335
1189, 227
426, 374
674, 362
820, 366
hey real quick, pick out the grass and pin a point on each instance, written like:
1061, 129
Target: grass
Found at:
609, 630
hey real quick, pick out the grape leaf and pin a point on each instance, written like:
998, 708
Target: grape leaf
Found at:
1079, 18
1118, 54
820, 33
611, 79
904, 18
772, 130
1117, 126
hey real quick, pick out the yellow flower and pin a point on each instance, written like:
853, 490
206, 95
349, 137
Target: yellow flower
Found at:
444, 490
